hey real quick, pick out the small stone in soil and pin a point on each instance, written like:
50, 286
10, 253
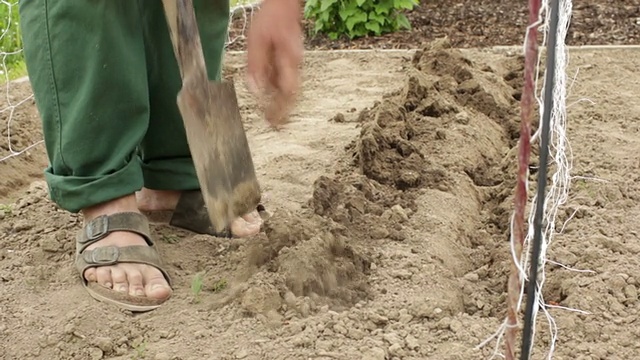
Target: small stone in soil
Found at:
395, 350
22, 225
411, 342
95, 353
104, 343
456, 326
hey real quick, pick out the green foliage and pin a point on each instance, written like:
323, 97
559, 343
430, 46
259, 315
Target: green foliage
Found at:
11, 40
220, 285
196, 286
357, 18
5, 210
233, 3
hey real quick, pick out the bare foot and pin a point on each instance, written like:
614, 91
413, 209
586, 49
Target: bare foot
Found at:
135, 279
162, 200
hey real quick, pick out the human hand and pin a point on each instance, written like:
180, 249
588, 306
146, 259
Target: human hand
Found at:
274, 50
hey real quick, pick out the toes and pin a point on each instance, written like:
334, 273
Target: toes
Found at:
242, 228
90, 275
253, 218
157, 286
103, 277
136, 281
119, 278
139, 275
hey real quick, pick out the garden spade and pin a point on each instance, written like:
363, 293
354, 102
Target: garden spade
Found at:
212, 121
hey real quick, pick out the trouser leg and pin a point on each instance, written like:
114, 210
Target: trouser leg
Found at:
166, 159
86, 63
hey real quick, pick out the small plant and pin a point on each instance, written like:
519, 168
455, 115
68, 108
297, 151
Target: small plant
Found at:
219, 285
6, 209
140, 351
170, 239
357, 18
196, 286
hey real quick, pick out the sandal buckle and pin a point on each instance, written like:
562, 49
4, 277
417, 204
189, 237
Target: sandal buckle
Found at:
107, 255
97, 228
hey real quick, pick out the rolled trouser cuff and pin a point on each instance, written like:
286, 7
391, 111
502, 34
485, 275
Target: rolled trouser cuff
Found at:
170, 174
74, 193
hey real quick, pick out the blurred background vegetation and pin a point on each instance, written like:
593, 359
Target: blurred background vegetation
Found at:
336, 18
11, 42
11, 55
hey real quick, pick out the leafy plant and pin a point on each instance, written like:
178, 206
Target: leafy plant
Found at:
170, 239
357, 18
140, 351
6, 209
196, 286
220, 285
11, 41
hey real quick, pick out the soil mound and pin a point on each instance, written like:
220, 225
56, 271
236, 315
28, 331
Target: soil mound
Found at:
442, 137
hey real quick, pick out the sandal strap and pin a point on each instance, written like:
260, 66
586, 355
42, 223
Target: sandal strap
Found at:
111, 255
96, 229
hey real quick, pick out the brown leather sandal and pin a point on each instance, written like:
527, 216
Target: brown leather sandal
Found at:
97, 229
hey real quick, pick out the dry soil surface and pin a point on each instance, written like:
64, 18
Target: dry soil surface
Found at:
390, 193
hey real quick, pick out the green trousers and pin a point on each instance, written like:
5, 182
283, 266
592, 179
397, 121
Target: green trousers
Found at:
105, 82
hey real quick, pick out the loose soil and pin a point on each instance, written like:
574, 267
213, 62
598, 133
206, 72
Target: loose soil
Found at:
390, 194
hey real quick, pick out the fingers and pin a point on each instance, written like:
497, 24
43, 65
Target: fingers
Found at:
287, 65
257, 64
274, 55
277, 109
287, 84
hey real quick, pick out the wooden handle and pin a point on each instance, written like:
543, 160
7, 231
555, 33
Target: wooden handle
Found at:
185, 37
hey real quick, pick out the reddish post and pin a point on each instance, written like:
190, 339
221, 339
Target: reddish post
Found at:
520, 200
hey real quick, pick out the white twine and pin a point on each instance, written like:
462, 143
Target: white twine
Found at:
561, 159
